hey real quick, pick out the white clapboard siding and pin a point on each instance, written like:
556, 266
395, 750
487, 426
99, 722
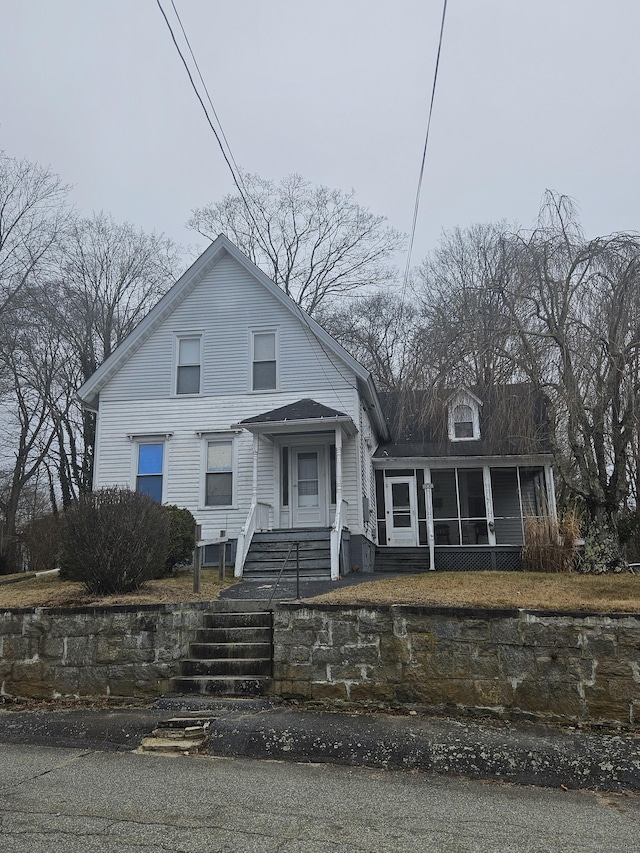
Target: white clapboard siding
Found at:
123, 423
224, 307
139, 402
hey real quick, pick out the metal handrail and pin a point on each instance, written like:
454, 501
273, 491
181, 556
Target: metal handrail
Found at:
282, 568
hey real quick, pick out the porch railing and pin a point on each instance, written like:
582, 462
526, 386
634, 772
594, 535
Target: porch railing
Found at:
257, 519
336, 538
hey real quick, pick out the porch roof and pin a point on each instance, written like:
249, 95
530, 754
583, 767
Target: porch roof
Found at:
303, 415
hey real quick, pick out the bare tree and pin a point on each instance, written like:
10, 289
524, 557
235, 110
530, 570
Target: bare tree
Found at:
468, 334
31, 361
33, 214
110, 276
382, 332
562, 312
314, 242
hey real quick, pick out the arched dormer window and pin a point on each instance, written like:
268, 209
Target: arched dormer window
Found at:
463, 416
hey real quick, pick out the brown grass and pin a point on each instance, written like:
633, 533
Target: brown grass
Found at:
550, 545
528, 590
50, 591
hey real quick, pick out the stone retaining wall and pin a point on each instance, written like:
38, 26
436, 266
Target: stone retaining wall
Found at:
565, 667
110, 651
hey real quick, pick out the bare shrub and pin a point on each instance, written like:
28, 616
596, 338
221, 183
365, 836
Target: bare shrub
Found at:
550, 545
114, 540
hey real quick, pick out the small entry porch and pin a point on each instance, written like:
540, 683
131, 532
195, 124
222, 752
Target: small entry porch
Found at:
297, 460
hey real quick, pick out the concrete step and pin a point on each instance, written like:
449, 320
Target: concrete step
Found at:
407, 560
287, 577
292, 534
257, 619
226, 666
233, 635
204, 651
221, 685
238, 605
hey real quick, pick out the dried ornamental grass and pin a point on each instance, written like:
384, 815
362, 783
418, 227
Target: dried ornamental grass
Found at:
550, 545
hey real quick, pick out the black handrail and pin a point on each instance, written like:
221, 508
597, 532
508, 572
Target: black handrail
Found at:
282, 568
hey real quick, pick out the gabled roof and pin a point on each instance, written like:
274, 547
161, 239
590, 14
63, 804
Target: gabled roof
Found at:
512, 423
302, 410
304, 414
89, 393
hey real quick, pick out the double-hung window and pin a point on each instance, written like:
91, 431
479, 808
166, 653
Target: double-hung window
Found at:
149, 472
463, 421
219, 473
189, 353
264, 374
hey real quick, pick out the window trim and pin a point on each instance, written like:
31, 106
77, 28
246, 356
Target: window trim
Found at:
177, 338
276, 347
463, 400
219, 437
140, 441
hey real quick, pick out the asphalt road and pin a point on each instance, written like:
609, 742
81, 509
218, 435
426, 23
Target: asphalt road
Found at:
93, 802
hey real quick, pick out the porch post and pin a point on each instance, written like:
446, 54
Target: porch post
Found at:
551, 492
338, 468
428, 496
254, 490
488, 502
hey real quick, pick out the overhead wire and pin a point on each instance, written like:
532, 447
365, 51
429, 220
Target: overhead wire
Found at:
237, 179
204, 86
236, 174
423, 162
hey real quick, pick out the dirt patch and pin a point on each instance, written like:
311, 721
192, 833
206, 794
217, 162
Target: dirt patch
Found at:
50, 591
527, 590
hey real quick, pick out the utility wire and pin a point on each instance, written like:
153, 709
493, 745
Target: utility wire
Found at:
204, 86
424, 157
236, 178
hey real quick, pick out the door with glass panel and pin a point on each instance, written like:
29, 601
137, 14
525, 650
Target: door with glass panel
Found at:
401, 514
309, 490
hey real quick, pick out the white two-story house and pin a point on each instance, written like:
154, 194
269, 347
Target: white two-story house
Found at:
229, 400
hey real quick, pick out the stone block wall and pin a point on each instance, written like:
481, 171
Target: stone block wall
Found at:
513, 664
114, 651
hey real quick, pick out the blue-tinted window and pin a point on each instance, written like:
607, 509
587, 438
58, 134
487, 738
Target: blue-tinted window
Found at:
149, 478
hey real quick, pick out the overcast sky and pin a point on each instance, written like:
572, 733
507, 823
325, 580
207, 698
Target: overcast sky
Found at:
532, 94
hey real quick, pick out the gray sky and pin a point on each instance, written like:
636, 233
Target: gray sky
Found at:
530, 95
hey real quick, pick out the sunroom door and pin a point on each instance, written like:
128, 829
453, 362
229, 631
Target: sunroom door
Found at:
309, 487
401, 511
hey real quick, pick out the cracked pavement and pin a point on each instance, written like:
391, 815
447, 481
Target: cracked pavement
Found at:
104, 801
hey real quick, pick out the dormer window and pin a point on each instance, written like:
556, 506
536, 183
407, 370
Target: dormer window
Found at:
463, 416
462, 422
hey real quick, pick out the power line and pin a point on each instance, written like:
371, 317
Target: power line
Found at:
204, 108
424, 157
204, 86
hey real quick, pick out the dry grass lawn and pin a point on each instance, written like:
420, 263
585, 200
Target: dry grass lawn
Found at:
602, 593
50, 591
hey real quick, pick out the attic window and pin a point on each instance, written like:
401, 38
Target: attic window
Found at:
463, 422
463, 418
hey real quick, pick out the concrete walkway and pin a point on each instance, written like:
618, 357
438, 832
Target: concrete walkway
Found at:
286, 589
521, 753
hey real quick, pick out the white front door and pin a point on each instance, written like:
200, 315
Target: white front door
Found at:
309, 487
401, 515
